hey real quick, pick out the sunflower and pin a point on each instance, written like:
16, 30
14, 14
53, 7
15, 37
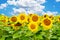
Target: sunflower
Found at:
13, 19
4, 20
22, 18
16, 26
30, 14
59, 19
28, 19
35, 18
1, 17
47, 23
33, 27
9, 24
45, 15
51, 17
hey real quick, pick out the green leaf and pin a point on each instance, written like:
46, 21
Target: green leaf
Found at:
17, 35
28, 33
3, 38
9, 38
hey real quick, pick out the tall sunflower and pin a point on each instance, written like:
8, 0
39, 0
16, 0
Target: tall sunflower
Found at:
33, 27
35, 18
47, 23
13, 19
16, 26
22, 18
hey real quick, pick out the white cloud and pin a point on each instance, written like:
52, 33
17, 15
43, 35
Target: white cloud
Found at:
3, 6
57, 0
41, 1
32, 6
50, 13
17, 11
11, 2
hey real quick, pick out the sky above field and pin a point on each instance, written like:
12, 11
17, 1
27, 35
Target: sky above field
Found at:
40, 7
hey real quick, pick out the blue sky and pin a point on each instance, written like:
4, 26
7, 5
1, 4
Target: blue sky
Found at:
13, 7
52, 5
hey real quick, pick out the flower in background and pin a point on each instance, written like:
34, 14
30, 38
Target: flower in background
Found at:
45, 15
4, 19
16, 26
51, 17
58, 18
13, 19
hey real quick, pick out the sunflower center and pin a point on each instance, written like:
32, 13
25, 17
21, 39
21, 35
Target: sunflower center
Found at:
59, 18
30, 14
28, 19
18, 24
9, 24
47, 22
51, 17
4, 17
32, 26
13, 19
35, 18
22, 17
4, 21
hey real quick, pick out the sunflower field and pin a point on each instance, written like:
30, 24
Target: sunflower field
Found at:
30, 27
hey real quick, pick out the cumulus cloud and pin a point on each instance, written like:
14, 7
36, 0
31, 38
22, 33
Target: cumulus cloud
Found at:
57, 0
11, 2
50, 13
28, 6
3, 6
18, 10
41, 1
